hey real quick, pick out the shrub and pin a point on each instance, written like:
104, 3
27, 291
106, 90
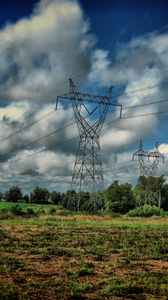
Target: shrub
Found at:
6, 215
17, 210
52, 210
63, 212
85, 271
147, 211
30, 211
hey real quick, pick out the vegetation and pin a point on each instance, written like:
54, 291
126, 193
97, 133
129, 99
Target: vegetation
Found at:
83, 257
13, 195
49, 252
147, 211
39, 195
9, 210
117, 198
149, 189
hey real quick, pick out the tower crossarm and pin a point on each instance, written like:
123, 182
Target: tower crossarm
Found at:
106, 100
156, 155
149, 155
78, 96
140, 154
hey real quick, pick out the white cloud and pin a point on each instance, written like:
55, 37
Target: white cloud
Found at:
139, 68
163, 148
38, 53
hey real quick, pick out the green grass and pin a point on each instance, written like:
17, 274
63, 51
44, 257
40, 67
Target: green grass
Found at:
84, 257
43, 208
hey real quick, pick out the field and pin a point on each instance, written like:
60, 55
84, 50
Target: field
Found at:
36, 207
83, 257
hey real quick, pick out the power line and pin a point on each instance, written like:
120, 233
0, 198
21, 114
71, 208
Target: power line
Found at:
40, 151
39, 139
145, 104
46, 115
68, 140
141, 89
27, 126
69, 124
144, 115
137, 116
140, 105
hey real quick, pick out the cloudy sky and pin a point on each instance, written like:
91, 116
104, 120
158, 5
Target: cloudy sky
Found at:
98, 44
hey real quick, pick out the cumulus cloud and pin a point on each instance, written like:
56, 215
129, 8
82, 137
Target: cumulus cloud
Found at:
37, 54
139, 70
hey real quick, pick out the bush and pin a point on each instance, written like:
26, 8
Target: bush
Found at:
17, 210
85, 271
147, 211
5, 210
5, 216
63, 212
52, 210
30, 211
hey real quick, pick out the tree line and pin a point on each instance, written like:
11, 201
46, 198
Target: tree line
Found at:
118, 198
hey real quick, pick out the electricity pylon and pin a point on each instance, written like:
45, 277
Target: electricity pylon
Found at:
148, 161
90, 112
148, 165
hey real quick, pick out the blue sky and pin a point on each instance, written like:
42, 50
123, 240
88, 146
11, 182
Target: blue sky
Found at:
113, 21
101, 43
116, 22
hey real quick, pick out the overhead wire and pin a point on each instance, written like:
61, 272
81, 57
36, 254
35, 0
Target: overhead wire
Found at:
39, 139
40, 151
46, 115
134, 91
72, 123
27, 126
59, 144
51, 112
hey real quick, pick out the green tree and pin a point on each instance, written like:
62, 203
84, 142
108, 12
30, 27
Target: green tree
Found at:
92, 202
149, 190
69, 200
164, 197
14, 194
39, 195
119, 197
26, 198
56, 197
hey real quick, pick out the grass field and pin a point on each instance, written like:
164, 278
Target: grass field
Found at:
83, 257
36, 207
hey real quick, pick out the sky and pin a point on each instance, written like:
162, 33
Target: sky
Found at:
98, 44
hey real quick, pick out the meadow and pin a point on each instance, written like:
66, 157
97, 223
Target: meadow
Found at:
77, 256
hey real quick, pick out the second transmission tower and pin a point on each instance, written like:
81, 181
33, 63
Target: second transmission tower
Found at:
148, 165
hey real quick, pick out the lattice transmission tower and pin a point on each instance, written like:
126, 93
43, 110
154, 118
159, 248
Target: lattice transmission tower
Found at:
90, 113
148, 166
148, 161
